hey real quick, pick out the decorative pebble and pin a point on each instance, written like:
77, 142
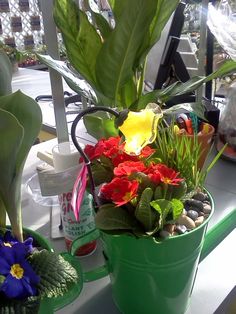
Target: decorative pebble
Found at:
206, 209
199, 221
192, 214
180, 229
206, 202
201, 214
197, 205
164, 234
185, 220
169, 228
199, 196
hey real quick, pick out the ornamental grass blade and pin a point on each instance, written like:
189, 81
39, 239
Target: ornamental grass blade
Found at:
117, 56
80, 38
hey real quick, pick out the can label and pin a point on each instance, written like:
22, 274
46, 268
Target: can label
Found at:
72, 228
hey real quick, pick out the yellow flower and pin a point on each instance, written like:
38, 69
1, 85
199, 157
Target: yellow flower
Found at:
140, 129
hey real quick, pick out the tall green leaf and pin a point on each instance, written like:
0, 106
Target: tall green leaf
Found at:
116, 58
80, 38
164, 9
21, 120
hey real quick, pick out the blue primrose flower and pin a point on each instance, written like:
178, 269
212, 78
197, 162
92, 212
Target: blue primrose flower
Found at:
20, 279
9, 240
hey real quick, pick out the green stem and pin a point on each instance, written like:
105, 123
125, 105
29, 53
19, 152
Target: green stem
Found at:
2, 215
141, 79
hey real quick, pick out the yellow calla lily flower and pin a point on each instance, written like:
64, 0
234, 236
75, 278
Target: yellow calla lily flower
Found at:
140, 129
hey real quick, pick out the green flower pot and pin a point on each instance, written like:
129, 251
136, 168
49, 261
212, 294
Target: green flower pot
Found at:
155, 277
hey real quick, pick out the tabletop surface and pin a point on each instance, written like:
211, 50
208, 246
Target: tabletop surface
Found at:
216, 274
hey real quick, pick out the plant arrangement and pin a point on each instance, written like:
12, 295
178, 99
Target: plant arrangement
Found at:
107, 61
148, 177
29, 270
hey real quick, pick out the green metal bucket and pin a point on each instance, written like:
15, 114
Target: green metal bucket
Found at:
150, 277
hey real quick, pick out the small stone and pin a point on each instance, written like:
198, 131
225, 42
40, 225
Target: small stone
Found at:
206, 209
192, 214
199, 196
199, 221
169, 228
180, 229
164, 234
185, 220
201, 214
207, 202
197, 205
184, 212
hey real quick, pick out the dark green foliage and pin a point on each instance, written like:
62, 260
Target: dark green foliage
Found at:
56, 274
29, 306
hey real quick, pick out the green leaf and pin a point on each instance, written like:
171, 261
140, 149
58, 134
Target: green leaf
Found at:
102, 25
80, 86
177, 208
179, 88
114, 218
144, 213
115, 60
29, 306
164, 9
20, 123
56, 274
99, 127
5, 74
101, 173
163, 207
80, 38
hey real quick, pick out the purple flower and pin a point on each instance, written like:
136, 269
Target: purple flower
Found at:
9, 240
20, 279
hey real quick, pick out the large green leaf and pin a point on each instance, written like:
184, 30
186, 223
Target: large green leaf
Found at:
21, 120
110, 217
5, 74
164, 9
179, 88
116, 58
80, 86
11, 136
56, 274
80, 38
101, 24
100, 127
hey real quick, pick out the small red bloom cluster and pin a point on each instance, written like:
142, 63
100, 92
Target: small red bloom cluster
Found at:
123, 188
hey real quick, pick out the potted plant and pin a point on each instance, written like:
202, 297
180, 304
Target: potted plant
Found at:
32, 276
107, 61
152, 211
151, 246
